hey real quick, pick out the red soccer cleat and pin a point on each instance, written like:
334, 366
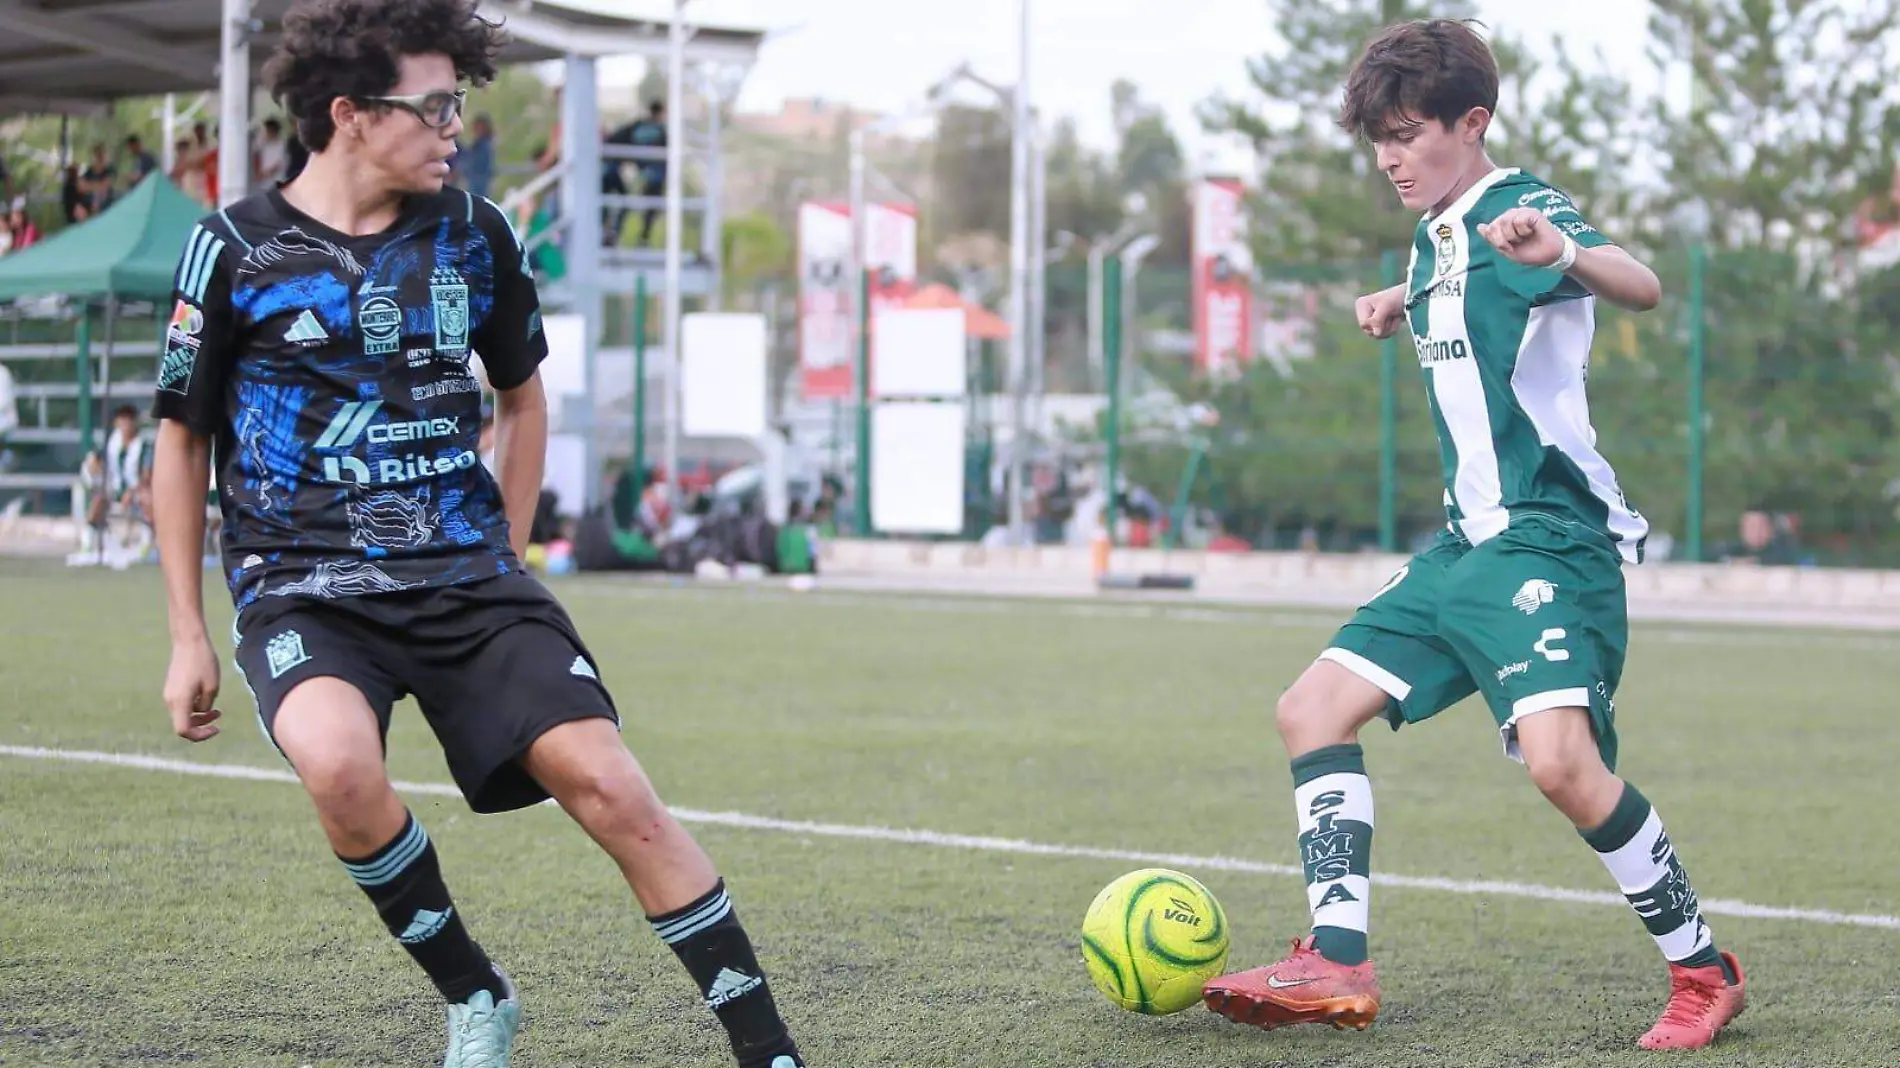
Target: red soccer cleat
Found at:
1304, 988
1701, 1003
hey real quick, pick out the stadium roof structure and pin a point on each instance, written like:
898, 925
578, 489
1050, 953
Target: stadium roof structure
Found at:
73, 56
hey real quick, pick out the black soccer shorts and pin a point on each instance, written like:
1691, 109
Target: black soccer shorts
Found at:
494, 664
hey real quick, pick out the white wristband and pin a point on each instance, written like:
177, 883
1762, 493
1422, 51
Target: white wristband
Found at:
1567, 258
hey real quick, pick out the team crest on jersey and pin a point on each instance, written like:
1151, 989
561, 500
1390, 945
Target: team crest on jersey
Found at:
381, 319
448, 294
1447, 248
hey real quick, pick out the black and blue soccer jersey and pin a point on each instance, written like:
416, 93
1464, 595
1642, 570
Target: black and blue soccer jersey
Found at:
332, 373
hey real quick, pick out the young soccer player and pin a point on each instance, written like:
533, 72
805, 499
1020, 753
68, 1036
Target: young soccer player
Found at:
1521, 598
319, 352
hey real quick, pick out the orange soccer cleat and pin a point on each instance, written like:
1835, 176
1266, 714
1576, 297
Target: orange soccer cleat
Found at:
1303, 988
1701, 1003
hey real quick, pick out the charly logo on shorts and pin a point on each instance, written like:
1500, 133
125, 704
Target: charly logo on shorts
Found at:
448, 295
283, 652
381, 319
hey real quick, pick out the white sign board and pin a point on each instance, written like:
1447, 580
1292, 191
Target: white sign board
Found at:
918, 352
917, 469
564, 372
722, 377
566, 472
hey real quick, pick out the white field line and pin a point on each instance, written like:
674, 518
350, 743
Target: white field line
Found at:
1736, 633
941, 840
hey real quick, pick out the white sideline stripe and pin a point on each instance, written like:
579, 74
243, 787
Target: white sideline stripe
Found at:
1480, 887
1741, 632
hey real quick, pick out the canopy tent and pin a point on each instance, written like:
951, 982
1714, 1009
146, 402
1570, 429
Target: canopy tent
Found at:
979, 322
129, 252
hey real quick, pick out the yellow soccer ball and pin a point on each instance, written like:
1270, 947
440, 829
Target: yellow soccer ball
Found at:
1152, 938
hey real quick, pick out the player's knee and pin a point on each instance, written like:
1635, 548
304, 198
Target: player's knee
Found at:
1560, 753
1566, 775
617, 803
1309, 715
344, 789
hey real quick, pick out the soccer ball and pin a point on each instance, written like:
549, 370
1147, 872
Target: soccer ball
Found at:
1152, 938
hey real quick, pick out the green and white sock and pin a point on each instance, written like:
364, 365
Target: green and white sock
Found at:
1642, 860
1333, 798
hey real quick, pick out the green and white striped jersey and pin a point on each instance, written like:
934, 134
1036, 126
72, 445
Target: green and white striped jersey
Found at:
1505, 350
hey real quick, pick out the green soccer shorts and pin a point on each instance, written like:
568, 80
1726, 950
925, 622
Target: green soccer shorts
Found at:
1534, 618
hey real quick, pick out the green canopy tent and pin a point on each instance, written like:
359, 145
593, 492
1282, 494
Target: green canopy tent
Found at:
129, 252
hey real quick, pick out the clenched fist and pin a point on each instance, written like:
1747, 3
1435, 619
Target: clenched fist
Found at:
1524, 236
1381, 314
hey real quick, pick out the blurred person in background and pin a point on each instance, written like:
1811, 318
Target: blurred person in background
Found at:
96, 182
139, 162
188, 170
22, 231
475, 164
270, 160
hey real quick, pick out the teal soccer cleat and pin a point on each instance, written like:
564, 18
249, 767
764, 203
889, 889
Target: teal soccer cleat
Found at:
482, 1030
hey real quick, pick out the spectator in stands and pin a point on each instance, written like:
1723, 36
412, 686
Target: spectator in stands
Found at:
128, 464
188, 170
96, 183
139, 162
208, 159
650, 132
1763, 541
475, 165
270, 160
71, 197
118, 482
613, 183
20, 229
6, 181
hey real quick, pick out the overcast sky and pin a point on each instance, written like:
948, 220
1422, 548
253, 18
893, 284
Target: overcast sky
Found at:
884, 54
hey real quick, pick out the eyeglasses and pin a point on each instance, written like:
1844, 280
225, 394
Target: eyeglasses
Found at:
435, 110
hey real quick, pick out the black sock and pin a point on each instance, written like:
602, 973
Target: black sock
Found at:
713, 945
404, 881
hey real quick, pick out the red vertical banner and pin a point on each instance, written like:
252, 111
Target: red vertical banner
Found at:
890, 236
825, 329
1223, 277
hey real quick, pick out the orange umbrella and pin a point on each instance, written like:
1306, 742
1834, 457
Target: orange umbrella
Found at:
978, 321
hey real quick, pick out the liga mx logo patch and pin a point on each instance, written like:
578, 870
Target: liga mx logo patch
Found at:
283, 652
448, 295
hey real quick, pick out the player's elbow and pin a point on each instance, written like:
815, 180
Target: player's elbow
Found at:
1645, 292
529, 396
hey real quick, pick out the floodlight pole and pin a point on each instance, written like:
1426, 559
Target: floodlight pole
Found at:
859, 280
675, 159
234, 102
1019, 319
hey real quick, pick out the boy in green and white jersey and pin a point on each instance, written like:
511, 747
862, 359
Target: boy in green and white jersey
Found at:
1521, 598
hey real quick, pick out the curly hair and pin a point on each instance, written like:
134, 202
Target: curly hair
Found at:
354, 48
1418, 71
